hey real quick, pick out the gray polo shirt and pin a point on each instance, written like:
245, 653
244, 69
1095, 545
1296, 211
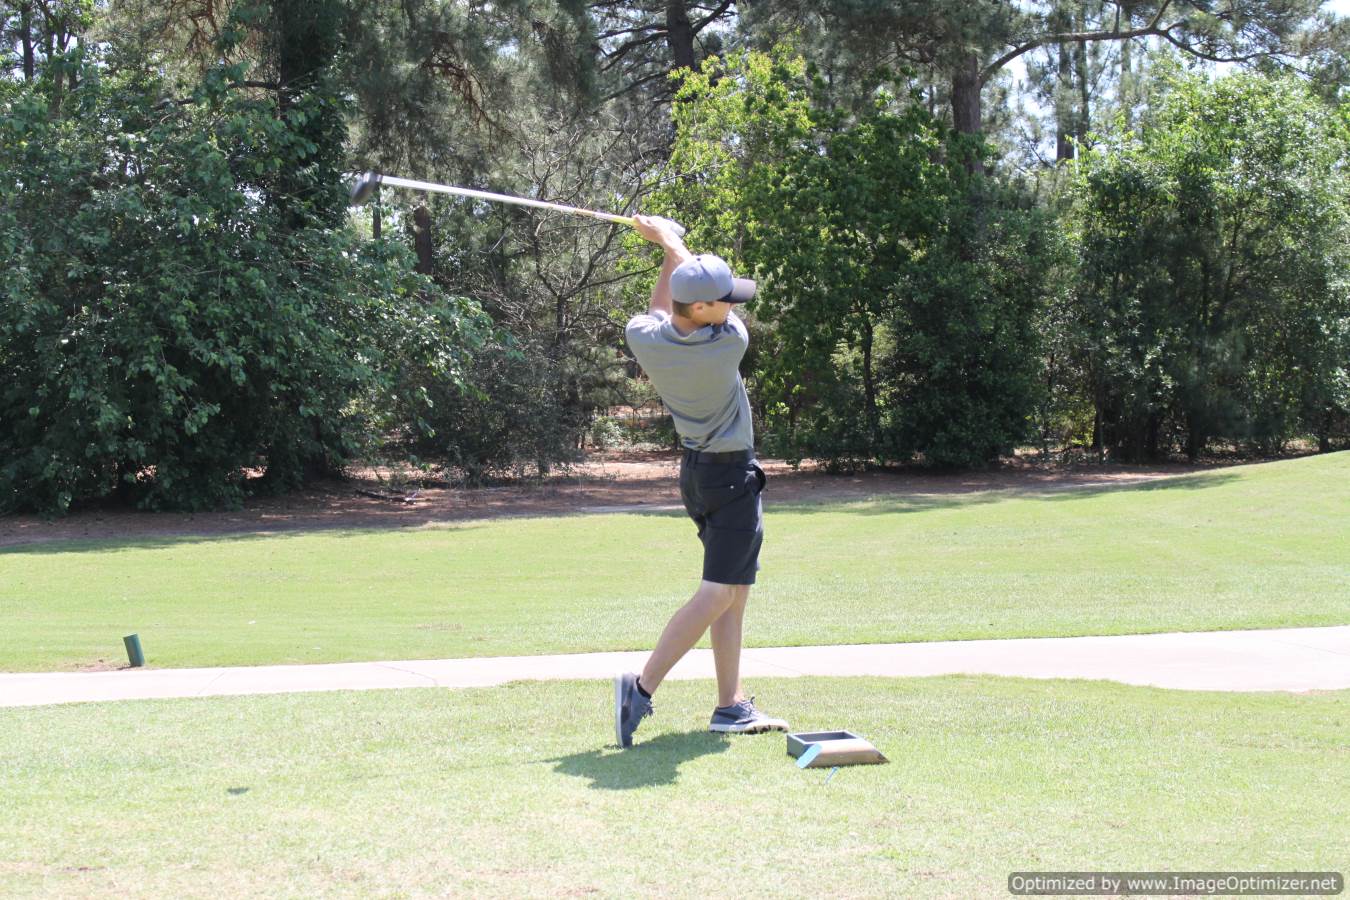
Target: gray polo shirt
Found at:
698, 377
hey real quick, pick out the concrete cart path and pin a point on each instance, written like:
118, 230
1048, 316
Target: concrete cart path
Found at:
1287, 659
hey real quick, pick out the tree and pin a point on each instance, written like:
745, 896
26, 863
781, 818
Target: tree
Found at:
640, 43
48, 35
897, 312
166, 322
970, 44
1211, 295
1068, 78
550, 283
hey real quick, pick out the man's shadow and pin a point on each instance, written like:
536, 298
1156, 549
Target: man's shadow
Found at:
646, 763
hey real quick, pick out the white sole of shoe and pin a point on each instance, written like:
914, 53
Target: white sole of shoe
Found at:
758, 728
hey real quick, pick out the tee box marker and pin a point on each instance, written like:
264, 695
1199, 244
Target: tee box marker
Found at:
821, 749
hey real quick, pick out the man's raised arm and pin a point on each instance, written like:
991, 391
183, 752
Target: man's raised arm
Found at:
654, 230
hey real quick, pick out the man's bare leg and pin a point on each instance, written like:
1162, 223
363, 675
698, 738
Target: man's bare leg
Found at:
726, 645
710, 602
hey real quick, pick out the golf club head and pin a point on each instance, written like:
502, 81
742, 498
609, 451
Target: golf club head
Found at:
364, 187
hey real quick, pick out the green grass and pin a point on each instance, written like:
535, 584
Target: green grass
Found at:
423, 793
1255, 546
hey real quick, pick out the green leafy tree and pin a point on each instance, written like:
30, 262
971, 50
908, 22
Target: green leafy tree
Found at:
898, 291
165, 324
1212, 297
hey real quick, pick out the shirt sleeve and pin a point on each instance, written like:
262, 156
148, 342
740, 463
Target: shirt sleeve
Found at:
737, 327
644, 329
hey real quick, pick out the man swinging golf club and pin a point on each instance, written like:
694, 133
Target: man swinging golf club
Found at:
690, 344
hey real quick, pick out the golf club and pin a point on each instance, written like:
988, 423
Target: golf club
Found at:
366, 184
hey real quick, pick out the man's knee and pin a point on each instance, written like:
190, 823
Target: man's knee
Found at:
721, 597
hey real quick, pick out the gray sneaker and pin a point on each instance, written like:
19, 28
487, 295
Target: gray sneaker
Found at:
630, 708
743, 718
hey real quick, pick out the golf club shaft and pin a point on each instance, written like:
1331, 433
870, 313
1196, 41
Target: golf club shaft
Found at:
500, 198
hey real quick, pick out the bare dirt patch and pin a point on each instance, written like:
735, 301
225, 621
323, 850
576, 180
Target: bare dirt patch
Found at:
604, 483
101, 665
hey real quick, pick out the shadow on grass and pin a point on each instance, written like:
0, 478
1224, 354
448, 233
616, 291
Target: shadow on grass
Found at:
886, 504
645, 764
883, 502
59, 545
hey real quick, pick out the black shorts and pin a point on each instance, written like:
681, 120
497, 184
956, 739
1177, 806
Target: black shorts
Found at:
723, 500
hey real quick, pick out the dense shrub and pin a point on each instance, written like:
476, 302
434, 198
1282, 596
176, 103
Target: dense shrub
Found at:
173, 313
1212, 301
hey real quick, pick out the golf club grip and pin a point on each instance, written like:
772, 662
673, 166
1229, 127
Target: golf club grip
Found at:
669, 223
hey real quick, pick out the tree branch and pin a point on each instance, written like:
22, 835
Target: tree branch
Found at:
1187, 48
713, 16
615, 32
634, 85
615, 56
1152, 29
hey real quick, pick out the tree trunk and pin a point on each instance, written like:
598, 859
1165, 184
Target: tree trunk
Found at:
1061, 21
966, 95
1195, 440
58, 91
306, 34
1151, 436
1126, 84
26, 27
679, 35
74, 76
426, 255
559, 325
1083, 117
966, 102
870, 391
55, 47
1097, 447
1063, 107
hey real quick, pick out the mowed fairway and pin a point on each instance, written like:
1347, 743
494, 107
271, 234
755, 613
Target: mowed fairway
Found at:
518, 791
1253, 546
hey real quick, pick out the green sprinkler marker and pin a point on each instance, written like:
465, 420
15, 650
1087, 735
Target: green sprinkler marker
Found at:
133, 643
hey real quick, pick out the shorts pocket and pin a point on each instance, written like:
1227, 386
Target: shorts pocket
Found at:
731, 497
721, 486
720, 495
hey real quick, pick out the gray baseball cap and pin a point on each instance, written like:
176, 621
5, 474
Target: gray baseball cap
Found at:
707, 278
